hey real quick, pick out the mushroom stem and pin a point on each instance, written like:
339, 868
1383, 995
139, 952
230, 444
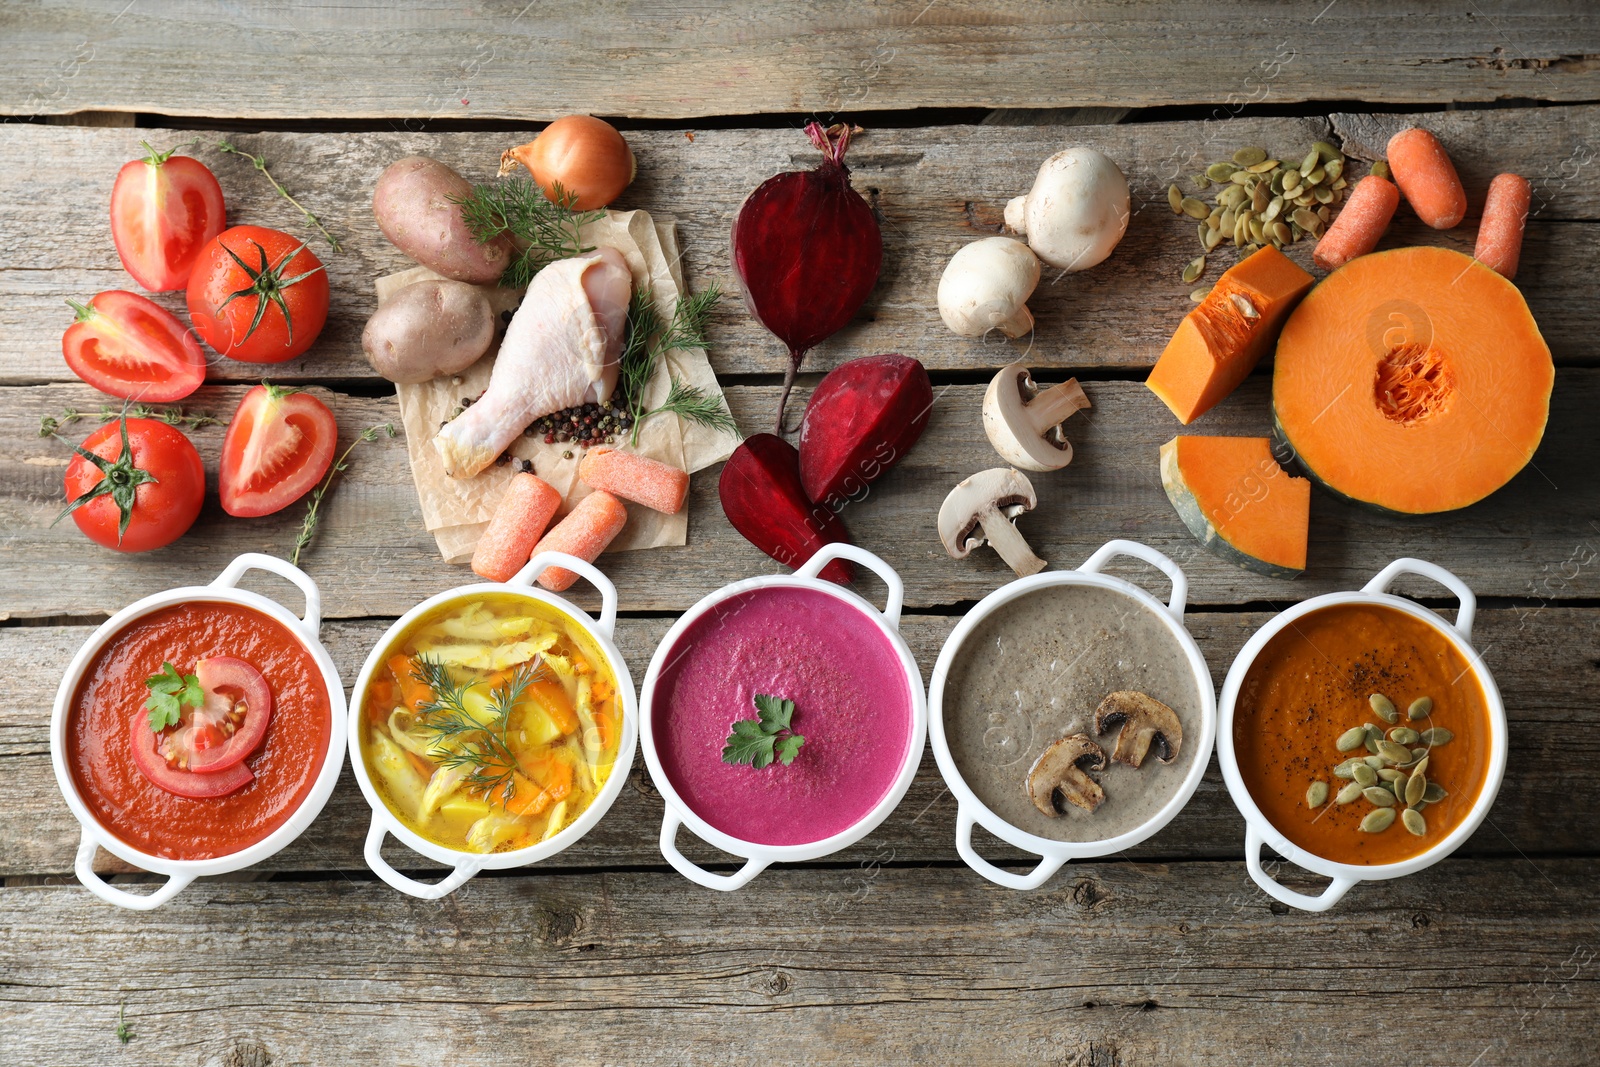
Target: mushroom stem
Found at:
1052, 406
1002, 534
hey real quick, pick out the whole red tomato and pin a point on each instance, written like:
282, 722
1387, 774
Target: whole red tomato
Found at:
258, 295
134, 485
163, 209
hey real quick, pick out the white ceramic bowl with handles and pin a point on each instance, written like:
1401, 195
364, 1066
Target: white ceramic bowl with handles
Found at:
180, 873
465, 864
757, 856
971, 810
1260, 832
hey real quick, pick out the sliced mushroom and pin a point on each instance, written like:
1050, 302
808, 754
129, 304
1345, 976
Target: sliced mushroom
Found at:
1144, 721
1024, 422
1062, 768
988, 502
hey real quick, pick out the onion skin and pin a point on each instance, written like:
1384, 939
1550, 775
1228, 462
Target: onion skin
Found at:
586, 156
807, 251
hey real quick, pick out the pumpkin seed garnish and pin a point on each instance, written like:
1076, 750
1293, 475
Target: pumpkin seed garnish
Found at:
1313, 157
1213, 236
1436, 736
1317, 794
1434, 793
1249, 156
1378, 821
1195, 209
1380, 168
1420, 708
1378, 795
1348, 793
1197, 267
1394, 753
1404, 735
1200, 181
1382, 705
1416, 786
1413, 821
1200, 294
1175, 198
1364, 775
1389, 774
1347, 769
1220, 172
1422, 765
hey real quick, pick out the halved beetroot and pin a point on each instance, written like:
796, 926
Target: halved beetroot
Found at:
763, 499
862, 420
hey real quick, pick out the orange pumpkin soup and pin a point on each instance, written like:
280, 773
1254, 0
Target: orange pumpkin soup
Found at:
1341, 697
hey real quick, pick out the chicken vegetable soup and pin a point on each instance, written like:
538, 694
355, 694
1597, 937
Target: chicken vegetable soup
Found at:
492, 725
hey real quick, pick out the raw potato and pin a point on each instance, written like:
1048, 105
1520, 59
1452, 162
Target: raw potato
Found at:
428, 329
413, 207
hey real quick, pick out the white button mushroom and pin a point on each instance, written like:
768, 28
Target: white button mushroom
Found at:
1060, 771
986, 286
988, 502
1024, 422
1145, 721
1076, 211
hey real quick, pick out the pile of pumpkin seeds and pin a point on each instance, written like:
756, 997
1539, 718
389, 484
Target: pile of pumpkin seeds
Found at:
1392, 776
1260, 200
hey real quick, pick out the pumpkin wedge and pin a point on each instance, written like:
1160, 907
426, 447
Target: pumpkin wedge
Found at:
1238, 502
1414, 380
1219, 343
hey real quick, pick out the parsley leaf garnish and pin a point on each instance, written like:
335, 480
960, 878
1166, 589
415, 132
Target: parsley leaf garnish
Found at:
759, 741
169, 691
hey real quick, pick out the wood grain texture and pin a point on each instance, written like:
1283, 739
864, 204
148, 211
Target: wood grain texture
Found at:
1535, 538
1109, 964
425, 60
936, 189
1543, 661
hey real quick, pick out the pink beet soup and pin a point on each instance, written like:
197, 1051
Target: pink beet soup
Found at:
852, 706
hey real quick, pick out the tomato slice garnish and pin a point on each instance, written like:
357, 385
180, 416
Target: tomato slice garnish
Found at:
203, 755
154, 766
279, 445
131, 347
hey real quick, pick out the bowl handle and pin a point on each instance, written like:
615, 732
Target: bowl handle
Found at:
608, 592
835, 549
697, 874
84, 867
1327, 899
1424, 569
1111, 549
1048, 865
256, 561
410, 886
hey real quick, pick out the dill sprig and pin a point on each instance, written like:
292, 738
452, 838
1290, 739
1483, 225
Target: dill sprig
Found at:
467, 741
173, 416
308, 528
545, 230
260, 163
649, 339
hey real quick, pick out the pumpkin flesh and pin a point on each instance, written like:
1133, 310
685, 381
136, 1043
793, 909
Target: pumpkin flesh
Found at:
1238, 502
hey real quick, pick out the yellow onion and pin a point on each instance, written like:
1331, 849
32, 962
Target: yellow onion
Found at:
584, 155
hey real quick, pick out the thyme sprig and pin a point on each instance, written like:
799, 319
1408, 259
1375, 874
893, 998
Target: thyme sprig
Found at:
545, 230
260, 163
649, 339
476, 743
172, 416
308, 528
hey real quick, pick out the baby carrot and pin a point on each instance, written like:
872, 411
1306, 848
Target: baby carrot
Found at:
1505, 215
1424, 173
518, 521
658, 486
1356, 230
585, 532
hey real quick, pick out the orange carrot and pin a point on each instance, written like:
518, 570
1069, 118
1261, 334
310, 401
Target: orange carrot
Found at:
1356, 230
1424, 173
525, 509
1505, 215
552, 697
658, 486
585, 532
528, 798
413, 691
423, 767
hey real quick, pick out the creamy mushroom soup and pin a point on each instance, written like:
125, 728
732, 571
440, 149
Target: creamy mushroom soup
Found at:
1035, 671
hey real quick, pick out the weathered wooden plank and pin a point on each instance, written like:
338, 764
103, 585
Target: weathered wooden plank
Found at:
1543, 661
373, 556
936, 188
628, 58
1467, 962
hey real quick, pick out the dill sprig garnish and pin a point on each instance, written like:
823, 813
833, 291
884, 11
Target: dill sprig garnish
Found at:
466, 740
649, 339
545, 230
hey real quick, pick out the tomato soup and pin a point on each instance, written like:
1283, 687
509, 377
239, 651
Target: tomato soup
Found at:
113, 691
1325, 686
850, 703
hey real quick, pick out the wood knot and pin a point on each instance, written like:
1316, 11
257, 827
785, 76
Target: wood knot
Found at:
776, 984
247, 1053
985, 217
1420, 921
643, 785
556, 926
1086, 894
1278, 908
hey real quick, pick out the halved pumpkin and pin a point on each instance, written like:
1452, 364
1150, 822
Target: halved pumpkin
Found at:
1238, 502
1219, 343
1413, 380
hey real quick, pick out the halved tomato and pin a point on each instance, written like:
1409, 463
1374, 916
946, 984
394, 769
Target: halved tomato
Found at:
279, 445
203, 754
164, 208
131, 347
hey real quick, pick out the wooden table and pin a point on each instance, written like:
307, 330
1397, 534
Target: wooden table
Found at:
891, 950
